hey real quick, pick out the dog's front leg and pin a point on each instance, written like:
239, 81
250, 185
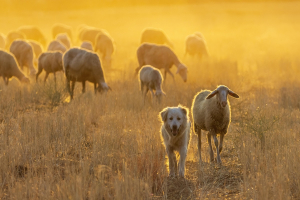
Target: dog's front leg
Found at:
172, 161
183, 154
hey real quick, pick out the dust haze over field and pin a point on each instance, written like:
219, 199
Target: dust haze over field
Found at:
108, 146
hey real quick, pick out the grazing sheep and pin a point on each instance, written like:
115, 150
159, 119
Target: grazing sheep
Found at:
9, 68
51, 62
155, 36
64, 39
24, 55
104, 45
152, 79
37, 50
175, 132
160, 57
2, 41
12, 36
81, 65
56, 46
87, 46
61, 28
211, 112
195, 45
89, 34
33, 33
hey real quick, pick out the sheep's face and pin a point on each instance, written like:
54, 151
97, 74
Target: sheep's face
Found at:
159, 95
182, 71
25, 80
174, 118
221, 94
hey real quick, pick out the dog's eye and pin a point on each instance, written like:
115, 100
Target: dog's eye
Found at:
171, 118
178, 118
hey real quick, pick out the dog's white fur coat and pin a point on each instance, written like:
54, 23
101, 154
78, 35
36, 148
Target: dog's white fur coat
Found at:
175, 132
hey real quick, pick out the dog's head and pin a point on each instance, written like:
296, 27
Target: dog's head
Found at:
174, 118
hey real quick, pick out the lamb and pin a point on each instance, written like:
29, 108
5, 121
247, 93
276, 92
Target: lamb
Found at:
155, 36
12, 36
64, 39
51, 62
81, 65
211, 112
89, 34
87, 46
196, 45
24, 55
56, 46
33, 33
104, 45
37, 50
2, 41
160, 57
152, 79
61, 28
9, 68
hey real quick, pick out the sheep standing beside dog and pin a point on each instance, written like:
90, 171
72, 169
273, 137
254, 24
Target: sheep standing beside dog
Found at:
9, 68
24, 55
211, 112
160, 57
51, 62
152, 79
175, 132
81, 65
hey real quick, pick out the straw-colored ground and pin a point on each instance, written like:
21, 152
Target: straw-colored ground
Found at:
108, 146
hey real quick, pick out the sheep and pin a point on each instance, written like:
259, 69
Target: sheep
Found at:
160, 57
61, 28
152, 79
33, 33
89, 34
155, 36
2, 41
56, 46
12, 36
87, 46
9, 68
64, 39
37, 50
81, 65
211, 112
104, 45
195, 45
24, 55
51, 62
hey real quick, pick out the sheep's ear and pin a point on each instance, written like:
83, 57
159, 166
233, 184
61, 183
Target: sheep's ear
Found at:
231, 93
164, 114
212, 94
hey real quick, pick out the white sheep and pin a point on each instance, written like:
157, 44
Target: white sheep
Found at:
196, 45
56, 46
61, 28
211, 112
160, 57
87, 46
64, 39
155, 36
152, 79
33, 33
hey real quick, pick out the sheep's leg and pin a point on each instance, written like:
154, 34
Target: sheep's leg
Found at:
68, 86
183, 154
217, 148
142, 87
198, 132
46, 76
83, 86
171, 74
5, 80
145, 94
95, 88
152, 95
172, 162
211, 153
54, 80
221, 142
38, 73
72, 89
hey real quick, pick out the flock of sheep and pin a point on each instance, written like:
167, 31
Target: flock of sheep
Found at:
23, 48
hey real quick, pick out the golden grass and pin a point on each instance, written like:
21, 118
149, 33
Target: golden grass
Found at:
109, 147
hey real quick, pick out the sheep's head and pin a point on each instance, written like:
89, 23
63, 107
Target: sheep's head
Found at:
159, 95
182, 71
221, 94
25, 80
103, 87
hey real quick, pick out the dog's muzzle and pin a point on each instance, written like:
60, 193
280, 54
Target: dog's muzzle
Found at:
174, 130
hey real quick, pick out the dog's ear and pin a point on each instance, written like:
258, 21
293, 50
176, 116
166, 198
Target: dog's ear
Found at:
164, 114
184, 110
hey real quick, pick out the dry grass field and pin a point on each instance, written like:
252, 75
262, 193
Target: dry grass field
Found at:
108, 146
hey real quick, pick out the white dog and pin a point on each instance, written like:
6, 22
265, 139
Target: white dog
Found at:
175, 132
